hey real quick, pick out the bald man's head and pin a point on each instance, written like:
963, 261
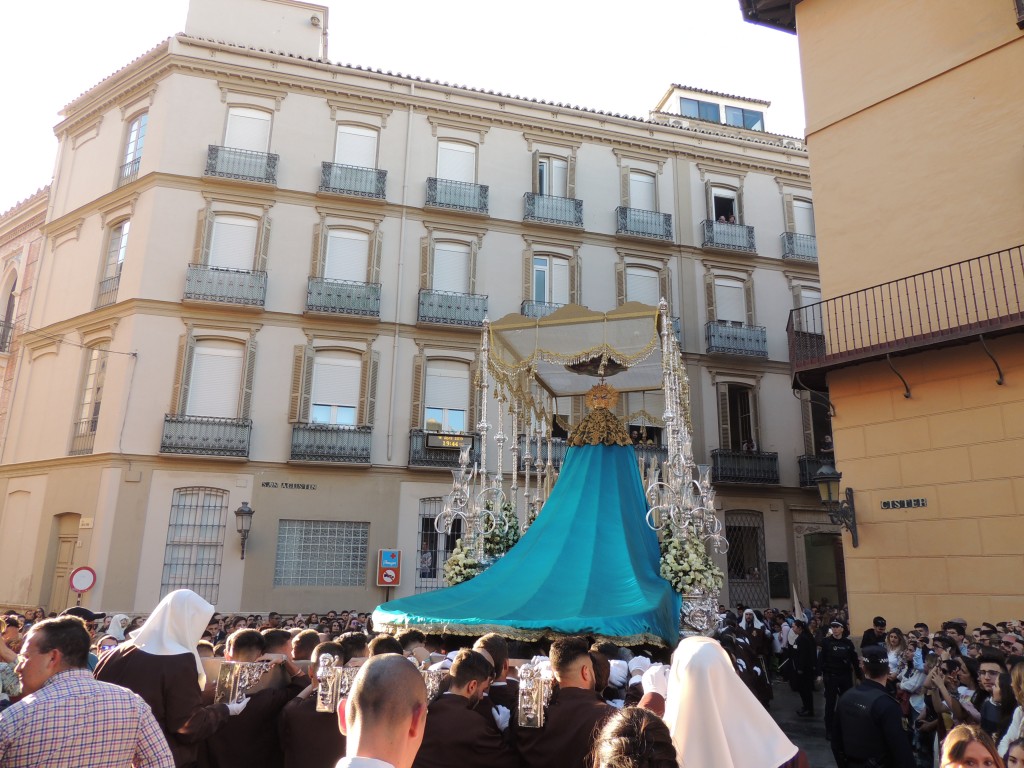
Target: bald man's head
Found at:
387, 691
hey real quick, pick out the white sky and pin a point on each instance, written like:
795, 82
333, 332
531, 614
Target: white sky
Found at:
618, 57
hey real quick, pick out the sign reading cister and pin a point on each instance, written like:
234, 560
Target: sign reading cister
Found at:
904, 503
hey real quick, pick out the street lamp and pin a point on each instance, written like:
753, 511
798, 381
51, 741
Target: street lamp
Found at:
243, 522
840, 511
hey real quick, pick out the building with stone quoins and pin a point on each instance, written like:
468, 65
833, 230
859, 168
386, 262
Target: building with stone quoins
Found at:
913, 128
264, 280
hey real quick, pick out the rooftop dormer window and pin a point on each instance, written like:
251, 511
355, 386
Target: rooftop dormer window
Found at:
750, 119
702, 110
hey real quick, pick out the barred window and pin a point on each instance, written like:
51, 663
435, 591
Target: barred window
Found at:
195, 542
321, 553
434, 548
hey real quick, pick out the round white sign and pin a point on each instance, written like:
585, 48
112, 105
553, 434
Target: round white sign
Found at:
82, 579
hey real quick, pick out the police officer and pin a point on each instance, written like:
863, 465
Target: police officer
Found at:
870, 730
837, 664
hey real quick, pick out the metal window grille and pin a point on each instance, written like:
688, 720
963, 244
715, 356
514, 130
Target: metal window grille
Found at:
195, 542
748, 570
321, 553
434, 548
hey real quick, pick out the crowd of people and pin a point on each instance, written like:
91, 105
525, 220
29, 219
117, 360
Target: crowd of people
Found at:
86, 689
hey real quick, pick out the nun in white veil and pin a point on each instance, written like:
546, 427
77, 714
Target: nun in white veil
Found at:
714, 718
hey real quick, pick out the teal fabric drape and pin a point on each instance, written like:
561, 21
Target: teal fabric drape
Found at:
588, 565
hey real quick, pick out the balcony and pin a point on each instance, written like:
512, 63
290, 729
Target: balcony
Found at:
6, 334
107, 293
799, 247
809, 466
546, 209
128, 172
559, 448
450, 308
206, 436
725, 337
457, 195
949, 305
750, 467
646, 224
538, 309
728, 237
424, 450
353, 180
225, 286
331, 443
83, 436
242, 164
343, 297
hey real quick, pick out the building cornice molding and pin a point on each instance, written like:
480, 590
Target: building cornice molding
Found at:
623, 156
230, 85
35, 222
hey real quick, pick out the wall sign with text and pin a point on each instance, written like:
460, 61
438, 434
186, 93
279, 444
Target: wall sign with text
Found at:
904, 503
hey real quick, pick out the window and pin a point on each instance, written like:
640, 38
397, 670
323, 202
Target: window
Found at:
745, 561
451, 267
213, 388
703, 110
744, 118
552, 176
117, 243
724, 206
643, 285
642, 195
7, 329
321, 553
335, 397
247, 129
434, 548
550, 280
346, 256
195, 542
356, 146
446, 398
737, 417
803, 217
88, 413
456, 161
730, 302
233, 242
134, 142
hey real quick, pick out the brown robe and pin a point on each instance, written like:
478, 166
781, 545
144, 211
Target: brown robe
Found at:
170, 685
457, 735
573, 718
250, 738
309, 739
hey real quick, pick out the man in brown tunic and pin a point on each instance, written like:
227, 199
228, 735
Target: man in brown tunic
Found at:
574, 715
311, 739
456, 734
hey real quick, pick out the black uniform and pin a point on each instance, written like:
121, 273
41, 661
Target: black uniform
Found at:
837, 664
870, 730
804, 667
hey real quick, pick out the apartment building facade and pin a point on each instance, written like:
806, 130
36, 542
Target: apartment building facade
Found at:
263, 287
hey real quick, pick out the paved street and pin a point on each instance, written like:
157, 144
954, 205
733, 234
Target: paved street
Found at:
807, 733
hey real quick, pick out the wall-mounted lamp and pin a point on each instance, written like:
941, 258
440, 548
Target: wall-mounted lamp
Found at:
243, 522
840, 511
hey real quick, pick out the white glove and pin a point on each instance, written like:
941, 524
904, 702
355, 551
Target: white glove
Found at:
236, 707
639, 664
538, 659
655, 680
501, 715
617, 703
619, 673
634, 680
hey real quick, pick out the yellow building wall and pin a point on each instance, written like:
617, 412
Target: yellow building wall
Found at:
957, 442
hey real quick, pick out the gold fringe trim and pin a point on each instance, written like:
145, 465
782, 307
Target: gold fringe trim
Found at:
600, 427
512, 633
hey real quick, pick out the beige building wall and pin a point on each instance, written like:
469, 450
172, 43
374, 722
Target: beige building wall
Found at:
118, 495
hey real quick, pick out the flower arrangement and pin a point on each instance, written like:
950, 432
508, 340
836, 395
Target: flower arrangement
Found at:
505, 533
460, 566
686, 565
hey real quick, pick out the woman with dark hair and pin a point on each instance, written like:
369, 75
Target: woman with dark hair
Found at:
1004, 703
634, 738
967, 746
1015, 754
1014, 732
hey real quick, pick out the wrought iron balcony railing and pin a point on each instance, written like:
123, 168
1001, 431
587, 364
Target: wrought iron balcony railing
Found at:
731, 338
232, 163
634, 221
128, 172
6, 334
754, 467
942, 306
353, 180
538, 308
799, 247
730, 237
107, 293
809, 466
83, 436
567, 211
450, 308
331, 443
457, 195
423, 454
559, 447
343, 297
226, 286
206, 436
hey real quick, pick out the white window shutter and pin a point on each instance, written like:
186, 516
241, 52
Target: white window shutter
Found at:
248, 129
356, 146
447, 385
729, 303
451, 267
456, 161
347, 253
642, 285
233, 242
336, 378
559, 281
215, 382
641, 191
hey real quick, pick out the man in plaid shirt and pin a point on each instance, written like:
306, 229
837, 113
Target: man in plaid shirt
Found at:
69, 719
